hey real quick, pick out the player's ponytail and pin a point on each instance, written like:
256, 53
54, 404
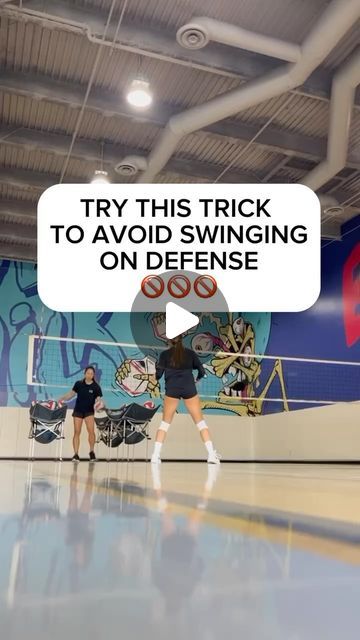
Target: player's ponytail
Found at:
177, 357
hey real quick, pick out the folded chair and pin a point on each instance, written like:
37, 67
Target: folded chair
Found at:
127, 425
47, 425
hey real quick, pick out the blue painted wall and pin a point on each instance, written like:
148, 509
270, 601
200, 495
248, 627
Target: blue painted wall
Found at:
329, 330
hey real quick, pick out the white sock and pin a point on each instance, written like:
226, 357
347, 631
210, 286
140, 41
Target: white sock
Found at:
157, 448
209, 446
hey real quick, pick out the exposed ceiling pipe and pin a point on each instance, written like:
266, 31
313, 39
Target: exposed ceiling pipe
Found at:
336, 20
342, 101
327, 201
200, 31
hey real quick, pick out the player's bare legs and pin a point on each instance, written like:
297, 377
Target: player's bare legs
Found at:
194, 408
169, 409
76, 439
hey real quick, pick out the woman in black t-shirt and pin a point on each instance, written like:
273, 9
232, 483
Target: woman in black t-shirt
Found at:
88, 392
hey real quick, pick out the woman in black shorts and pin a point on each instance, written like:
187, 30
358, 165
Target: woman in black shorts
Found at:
88, 392
178, 364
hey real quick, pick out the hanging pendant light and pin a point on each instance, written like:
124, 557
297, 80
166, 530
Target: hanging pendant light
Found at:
139, 94
101, 176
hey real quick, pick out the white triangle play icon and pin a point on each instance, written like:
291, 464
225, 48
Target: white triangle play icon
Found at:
178, 320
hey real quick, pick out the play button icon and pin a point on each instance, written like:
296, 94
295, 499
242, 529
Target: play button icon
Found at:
178, 320
164, 308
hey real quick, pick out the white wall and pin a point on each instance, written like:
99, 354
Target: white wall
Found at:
322, 433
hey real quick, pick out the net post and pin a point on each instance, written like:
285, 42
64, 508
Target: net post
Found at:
30, 360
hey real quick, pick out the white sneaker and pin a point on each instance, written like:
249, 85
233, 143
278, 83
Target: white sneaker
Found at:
214, 458
155, 459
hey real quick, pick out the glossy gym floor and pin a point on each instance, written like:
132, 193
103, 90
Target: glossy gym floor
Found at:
126, 550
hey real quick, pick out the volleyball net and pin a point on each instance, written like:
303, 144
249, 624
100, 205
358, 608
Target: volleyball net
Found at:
246, 384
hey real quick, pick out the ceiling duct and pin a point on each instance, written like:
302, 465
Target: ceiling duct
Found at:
200, 31
344, 84
131, 165
336, 20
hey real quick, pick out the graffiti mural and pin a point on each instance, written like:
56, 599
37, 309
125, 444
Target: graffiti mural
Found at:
237, 382
43, 351
235, 366
351, 296
226, 344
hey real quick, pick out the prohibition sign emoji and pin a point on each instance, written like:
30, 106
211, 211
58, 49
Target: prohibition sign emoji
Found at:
179, 286
152, 286
205, 286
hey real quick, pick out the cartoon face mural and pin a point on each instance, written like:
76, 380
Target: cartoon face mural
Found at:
232, 358
226, 345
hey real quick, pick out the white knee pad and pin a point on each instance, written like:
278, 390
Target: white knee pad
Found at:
201, 425
164, 426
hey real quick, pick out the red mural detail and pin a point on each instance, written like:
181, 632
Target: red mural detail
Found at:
351, 296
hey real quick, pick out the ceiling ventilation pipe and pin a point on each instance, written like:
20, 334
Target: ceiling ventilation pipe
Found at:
342, 101
336, 20
200, 31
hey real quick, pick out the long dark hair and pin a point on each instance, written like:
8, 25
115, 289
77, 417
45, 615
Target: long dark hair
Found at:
92, 369
177, 349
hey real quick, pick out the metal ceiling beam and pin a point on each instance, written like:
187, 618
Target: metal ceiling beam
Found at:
21, 208
17, 252
161, 44
18, 210
89, 150
14, 229
41, 181
110, 104
24, 178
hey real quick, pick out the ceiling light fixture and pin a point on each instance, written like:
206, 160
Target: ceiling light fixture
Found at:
139, 94
101, 176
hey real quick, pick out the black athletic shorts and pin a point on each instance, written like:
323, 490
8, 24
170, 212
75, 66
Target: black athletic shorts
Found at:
81, 414
185, 393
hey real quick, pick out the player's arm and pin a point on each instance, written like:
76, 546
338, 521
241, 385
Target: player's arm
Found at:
160, 366
98, 404
99, 394
71, 394
198, 367
68, 396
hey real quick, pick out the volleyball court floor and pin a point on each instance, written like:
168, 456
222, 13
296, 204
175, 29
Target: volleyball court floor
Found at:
186, 550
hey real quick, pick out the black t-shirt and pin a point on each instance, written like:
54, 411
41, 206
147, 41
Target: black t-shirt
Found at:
181, 375
86, 395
